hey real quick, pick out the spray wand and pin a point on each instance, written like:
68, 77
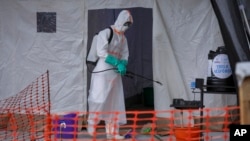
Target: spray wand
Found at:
131, 75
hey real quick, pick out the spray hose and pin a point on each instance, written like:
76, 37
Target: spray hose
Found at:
131, 75
128, 74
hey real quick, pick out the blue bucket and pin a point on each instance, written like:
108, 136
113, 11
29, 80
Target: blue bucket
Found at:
69, 131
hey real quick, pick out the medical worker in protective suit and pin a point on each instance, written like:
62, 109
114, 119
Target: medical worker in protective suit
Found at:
106, 98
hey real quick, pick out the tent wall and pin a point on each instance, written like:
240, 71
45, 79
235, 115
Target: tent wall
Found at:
183, 33
180, 53
234, 30
232, 27
26, 53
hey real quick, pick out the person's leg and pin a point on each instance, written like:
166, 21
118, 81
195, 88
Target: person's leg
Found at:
93, 117
91, 128
112, 131
96, 102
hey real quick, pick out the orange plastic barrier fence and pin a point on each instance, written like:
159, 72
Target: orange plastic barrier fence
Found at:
26, 116
23, 116
142, 125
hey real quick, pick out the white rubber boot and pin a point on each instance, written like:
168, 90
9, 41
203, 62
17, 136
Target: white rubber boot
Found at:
112, 132
91, 129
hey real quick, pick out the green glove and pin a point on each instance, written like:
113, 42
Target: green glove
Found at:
112, 60
121, 67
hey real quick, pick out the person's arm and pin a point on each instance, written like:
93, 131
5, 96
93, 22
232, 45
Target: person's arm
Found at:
102, 43
122, 65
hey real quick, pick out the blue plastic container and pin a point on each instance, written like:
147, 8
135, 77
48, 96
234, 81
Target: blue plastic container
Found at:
69, 131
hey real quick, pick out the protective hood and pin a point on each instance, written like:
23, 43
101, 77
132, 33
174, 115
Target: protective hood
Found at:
123, 21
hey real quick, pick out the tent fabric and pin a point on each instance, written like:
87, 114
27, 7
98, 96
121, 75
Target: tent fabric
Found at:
183, 32
233, 32
180, 53
26, 54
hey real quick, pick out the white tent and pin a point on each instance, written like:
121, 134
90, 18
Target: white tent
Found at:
183, 33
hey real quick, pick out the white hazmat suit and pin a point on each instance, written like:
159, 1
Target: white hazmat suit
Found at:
106, 97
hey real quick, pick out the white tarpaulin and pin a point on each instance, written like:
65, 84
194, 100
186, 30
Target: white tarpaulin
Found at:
26, 53
183, 32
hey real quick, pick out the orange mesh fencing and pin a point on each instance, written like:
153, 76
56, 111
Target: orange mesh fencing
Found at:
142, 125
26, 116
22, 116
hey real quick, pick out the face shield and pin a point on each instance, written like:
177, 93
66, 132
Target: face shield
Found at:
125, 26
